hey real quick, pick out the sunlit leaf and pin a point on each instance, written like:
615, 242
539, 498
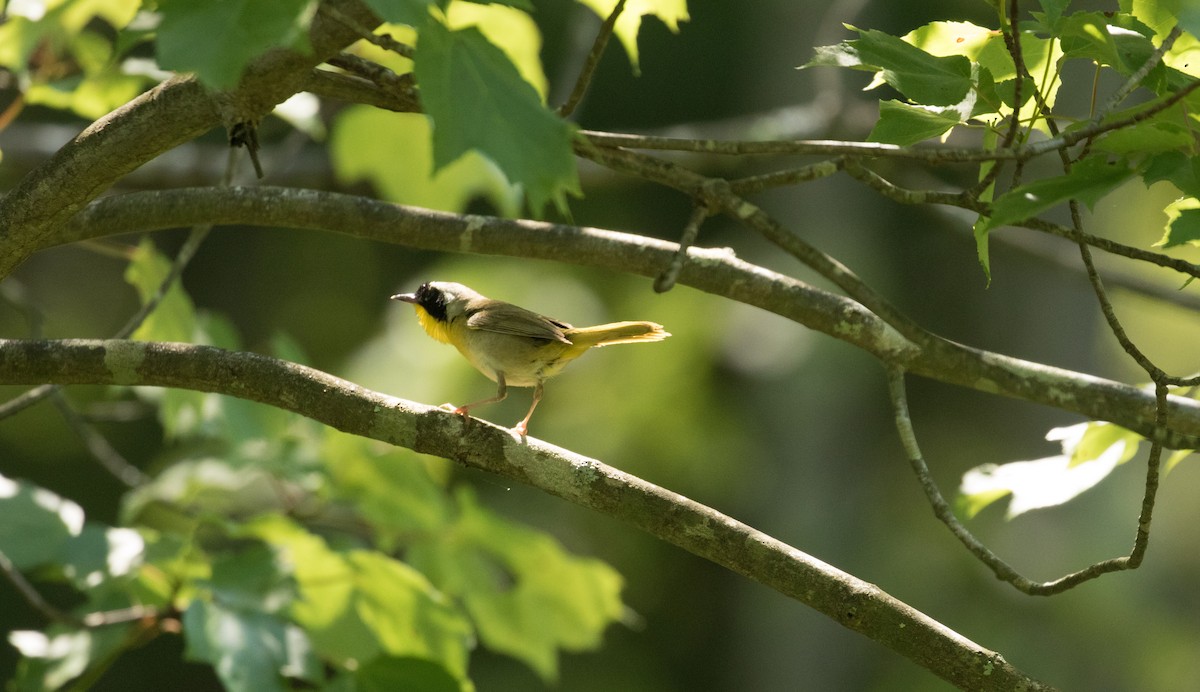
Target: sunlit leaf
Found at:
1088, 181
204, 484
216, 40
391, 488
410, 12
253, 577
670, 12
1116, 40
50, 660
1146, 138
100, 553
1181, 170
1051, 14
508, 29
1183, 223
924, 78
1098, 439
250, 651
902, 124
953, 38
35, 524
357, 604
394, 152
1175, 457
477, 100
174, 319
1050, 481
527, 596
390, 673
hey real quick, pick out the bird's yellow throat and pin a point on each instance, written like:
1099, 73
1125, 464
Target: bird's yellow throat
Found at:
439, 330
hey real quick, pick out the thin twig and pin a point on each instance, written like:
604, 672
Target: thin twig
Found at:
31, 595
98, 619
998, 566
965, 201
1135, 79
1157, 374
592, 61
928, 154
1012, 40
384, 41
1153, 470
1068, 139
402, 86
717, 194
98, 445
666, 280
820, 147
186, 252
792, 176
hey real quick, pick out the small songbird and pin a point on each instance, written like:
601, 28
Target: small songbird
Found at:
509, 344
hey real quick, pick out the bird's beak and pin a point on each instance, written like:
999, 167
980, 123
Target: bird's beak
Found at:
406, 297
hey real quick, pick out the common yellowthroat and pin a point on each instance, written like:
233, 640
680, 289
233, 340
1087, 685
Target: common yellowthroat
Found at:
509, 344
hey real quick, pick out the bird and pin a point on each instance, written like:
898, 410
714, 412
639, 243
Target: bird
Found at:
512, 346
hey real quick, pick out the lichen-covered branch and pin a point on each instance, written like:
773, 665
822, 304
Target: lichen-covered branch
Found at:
855, 604
716, 271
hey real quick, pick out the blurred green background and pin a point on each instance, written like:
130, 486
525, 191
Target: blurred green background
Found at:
784, 429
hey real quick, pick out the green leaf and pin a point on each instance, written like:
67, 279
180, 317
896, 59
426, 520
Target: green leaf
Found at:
35, 524
1036, 484
478, 100
1044, 482
525, 5
1145, 138
216, 39
1175, 457
1161, 15
175, 318
527, 596
924, 78
1181, 170
250, 651
1051, 14
953, 38
356, 605
410, 12
389, 673
1183, 223
1088, 181
1099, 438
99, 554
204, 485
670, 12
902, 124
980, 228
391, 489
1118, 41
368, 144
253, 578
50, 660
510, 30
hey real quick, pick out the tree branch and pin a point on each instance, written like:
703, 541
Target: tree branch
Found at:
716, 271
174, 112
1004, 571
853, 603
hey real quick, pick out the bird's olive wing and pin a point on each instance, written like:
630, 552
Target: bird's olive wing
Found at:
506, 318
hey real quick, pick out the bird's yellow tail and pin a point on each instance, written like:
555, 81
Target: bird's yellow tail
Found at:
616, 333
